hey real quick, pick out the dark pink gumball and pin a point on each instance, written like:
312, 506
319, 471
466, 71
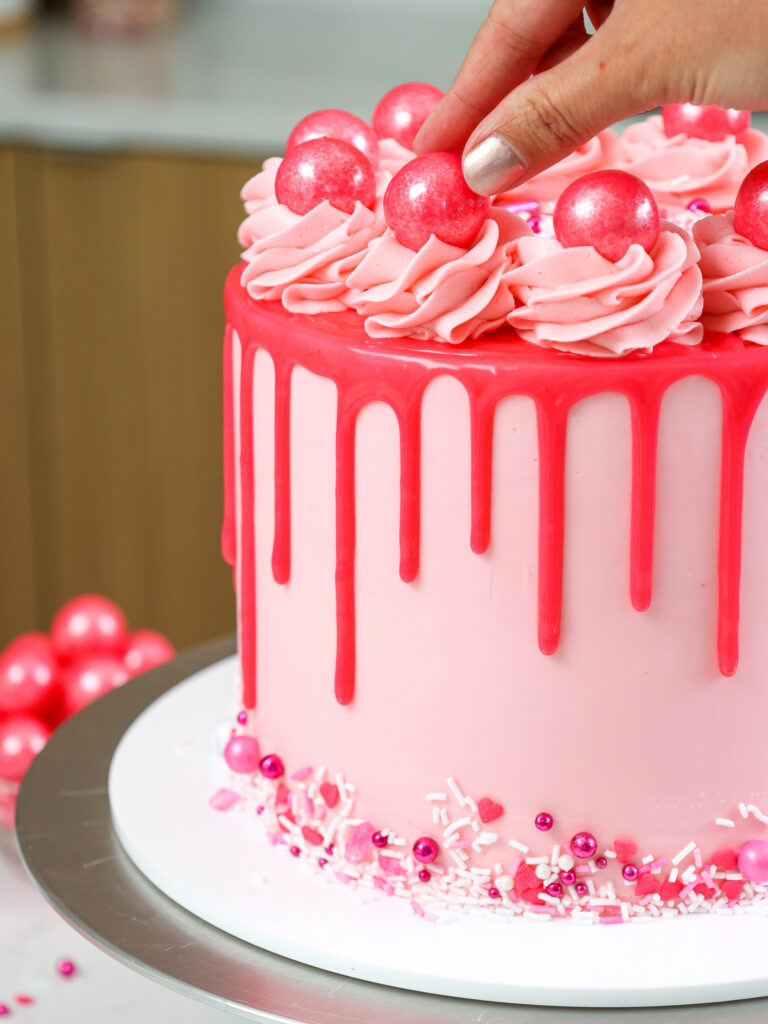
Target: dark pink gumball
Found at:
89, 679
337, 124
22, 737
609, 210
89, 624
711, 123
29, 675
429, 196
147, 649
325, 169
403, 110
750, 211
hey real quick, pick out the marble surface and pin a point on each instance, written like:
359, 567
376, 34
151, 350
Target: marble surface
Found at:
33, 938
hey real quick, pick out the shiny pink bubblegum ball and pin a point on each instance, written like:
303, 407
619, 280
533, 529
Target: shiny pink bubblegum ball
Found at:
336, 124
147, 649
325, 169
403, 110
89, 679
609, 210
89, 624
429, 196
29, 675
753, 860
22, 737
242, 754
711, 123
750, 211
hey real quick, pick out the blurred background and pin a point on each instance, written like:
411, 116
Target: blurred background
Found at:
127, 128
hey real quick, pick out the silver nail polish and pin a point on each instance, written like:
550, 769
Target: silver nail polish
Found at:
492, 166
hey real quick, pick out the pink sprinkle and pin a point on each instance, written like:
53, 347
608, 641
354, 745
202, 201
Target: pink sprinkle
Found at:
224, 799
697, 857
66, 968
343, 878
659, 863
643, 870
276, 838
390, 865
24, 1000
302, 773
529, 207
383, 884
515, 865
688, 889
417, 909
583, 869
646, 900
534, 908
462, 844
613, 919
309, 805
706, 877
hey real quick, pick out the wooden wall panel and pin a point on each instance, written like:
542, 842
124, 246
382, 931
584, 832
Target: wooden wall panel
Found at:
128, 259
18, 604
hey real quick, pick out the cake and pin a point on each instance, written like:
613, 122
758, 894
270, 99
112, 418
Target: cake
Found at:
495, 503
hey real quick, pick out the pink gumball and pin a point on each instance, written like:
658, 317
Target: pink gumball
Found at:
242, 754
337, 124
89, 679
609, 210
711, 123
88, 624
403, 110
29, 675
430, 197
147, 649
753, 860
22, 737
750, 211
325, 169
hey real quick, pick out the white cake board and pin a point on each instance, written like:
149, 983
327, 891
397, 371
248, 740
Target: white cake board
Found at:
221, 868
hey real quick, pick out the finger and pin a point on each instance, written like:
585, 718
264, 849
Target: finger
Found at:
505, 51
549, 115
567, 44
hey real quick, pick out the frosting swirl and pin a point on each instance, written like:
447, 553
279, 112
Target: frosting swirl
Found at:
735, 280
681, 168
441, 292
578, 301
599, 153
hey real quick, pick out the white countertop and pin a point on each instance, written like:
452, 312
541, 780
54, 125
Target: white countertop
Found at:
232, 76
33, 939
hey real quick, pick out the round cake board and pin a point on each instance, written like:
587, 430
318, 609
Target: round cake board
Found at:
221, 867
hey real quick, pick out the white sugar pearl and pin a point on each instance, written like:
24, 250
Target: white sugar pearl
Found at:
566, 862
504, 883
543, 871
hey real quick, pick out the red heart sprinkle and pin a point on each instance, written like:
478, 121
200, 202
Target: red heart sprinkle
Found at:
625, 850
311, 835
329, 793
489, 810
526, 879
671, 890
726, 860
732, 888
282, 795
646, 884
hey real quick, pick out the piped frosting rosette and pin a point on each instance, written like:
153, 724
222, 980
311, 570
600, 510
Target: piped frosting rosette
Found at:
735, 276
598, 153
303, 260
441, 292
681, 168
578, 301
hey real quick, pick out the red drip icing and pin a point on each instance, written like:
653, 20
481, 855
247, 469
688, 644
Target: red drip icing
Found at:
228, 530
397, 372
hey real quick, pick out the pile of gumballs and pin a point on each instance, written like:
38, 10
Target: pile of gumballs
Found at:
47, 677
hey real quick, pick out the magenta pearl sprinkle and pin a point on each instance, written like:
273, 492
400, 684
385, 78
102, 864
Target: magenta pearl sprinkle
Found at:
424, 875
583, 845
494, 893
379, 839
66, 968
271, 766
425, 850
322, 862
567, 877
554, 889
543, 821
242, 717
699, 205
629, 873
295, 851
581, 888
329, 849
4, 1010
601, 862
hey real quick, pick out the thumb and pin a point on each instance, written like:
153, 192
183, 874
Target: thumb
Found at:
549, 115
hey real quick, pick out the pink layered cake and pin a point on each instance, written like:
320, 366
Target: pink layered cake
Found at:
496, 501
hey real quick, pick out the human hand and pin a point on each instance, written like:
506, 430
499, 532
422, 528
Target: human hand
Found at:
534, 85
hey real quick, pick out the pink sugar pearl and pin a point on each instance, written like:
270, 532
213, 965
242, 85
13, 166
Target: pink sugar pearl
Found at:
403, 110
609, 210
271, 766
425, 850
242, 754
66, 968
581, 889
325, 169
753, 860
430, 197
583, 845
629, 873
568, 877
750, 211
337, 124
543, 821
711, 123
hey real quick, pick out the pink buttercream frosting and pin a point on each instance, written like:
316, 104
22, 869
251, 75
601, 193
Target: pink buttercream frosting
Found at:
304, 260
681, 168
735, 276
599, 153
441, 292
578, 301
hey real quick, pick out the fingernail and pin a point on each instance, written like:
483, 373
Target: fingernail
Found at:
492, 166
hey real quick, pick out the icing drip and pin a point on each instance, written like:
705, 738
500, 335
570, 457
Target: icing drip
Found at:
397, 372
